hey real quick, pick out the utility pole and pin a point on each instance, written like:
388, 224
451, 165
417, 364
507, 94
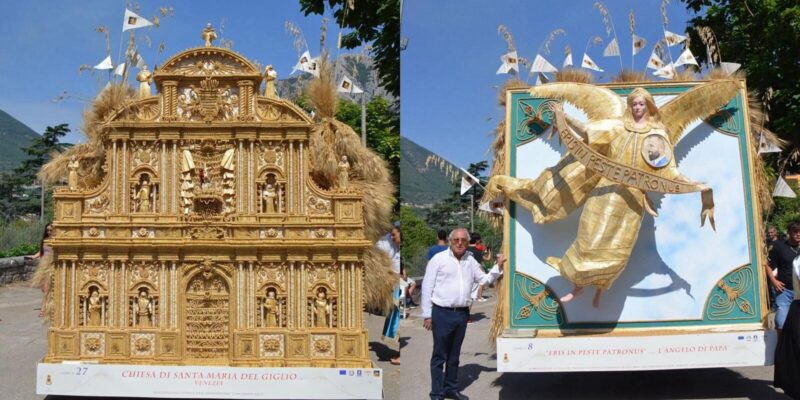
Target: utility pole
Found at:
472, 211
41, 210
364, 116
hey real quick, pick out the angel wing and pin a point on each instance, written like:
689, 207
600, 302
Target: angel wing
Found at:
698, 102
597, 102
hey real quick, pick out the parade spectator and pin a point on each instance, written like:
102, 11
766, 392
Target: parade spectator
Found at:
410, 286
772, 236
440, 246
445, 308
391, 245
780, 259
787, 353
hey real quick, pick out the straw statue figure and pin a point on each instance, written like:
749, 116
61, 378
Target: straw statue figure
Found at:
623, 151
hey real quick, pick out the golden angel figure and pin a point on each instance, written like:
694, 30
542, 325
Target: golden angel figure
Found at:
624, 150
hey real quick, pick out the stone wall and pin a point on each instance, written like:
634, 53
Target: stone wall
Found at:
14, 269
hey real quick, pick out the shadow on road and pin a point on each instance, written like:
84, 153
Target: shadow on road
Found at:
383, 351
469, 373
677, 384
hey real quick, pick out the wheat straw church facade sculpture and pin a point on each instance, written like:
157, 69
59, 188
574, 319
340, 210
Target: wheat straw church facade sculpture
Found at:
207, 241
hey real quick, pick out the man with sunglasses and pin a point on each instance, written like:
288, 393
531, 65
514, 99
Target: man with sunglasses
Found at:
446, 290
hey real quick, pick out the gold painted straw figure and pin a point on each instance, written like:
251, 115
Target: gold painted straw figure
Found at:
634, 140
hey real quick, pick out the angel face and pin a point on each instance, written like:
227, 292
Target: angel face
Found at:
638, 107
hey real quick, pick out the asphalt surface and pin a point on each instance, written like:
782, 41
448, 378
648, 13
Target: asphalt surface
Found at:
479, 379
23, 342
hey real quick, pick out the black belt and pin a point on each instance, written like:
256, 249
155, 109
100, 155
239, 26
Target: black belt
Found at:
451, 308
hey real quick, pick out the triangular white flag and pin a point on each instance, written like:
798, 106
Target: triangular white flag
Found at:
301, 63
686, 58
510, 63
782, 189
729, 68
541, 79
666, 72
766, 147
542, 65
312, 67
673, 38
612, 49
655, 61
495, 206
139, 60
467, 181
567, 61
347, 86
105, 64
120, 70
588, 63
638, 43
134, 21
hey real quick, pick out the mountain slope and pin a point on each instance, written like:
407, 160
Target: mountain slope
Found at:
420, 185
14, 135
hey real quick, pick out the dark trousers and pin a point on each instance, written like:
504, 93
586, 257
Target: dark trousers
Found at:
449, 327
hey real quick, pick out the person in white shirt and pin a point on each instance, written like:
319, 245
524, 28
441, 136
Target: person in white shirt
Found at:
446, 290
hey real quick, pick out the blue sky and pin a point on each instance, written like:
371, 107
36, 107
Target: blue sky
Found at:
45, 41
449, 86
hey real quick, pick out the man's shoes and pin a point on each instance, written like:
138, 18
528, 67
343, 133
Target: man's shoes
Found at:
481, 299
456, 396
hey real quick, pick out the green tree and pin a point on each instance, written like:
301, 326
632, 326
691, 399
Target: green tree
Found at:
19, 193
763, 36
417, 238
375, 22
383, 129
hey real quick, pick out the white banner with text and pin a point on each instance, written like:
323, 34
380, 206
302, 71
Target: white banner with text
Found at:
79, 379
626, 353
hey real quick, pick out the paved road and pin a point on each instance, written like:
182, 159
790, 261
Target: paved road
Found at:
23, 343
479, 380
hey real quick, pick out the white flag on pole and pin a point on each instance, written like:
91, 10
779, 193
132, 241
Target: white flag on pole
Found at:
467, 181
612, 49
782, 189
729, 68
666, 72
655, 61
673, 38
766, 147
542, 65
510, 63
686, 58
638, 43
347, 86
134, 21
567, 60
105, 64
588, 63
120, 70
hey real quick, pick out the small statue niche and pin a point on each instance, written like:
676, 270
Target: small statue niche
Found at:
94, 307
272, 309
321, 309
271, 196
144, 309
145, 193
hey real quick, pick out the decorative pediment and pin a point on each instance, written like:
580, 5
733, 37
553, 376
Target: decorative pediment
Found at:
272, 110
207, 61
